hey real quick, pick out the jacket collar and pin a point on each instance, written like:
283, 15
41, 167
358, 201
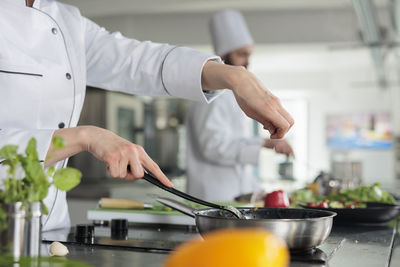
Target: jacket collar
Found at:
36, 4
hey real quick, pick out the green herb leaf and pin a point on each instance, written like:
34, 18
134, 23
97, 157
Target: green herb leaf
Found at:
8, 151
58, 142
50, 171
67, 178
33, 170
44, 208
3, 219
30, 150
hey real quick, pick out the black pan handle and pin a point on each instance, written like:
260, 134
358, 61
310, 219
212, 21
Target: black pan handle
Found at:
150, 178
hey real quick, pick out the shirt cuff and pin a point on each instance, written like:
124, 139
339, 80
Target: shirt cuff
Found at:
181, 74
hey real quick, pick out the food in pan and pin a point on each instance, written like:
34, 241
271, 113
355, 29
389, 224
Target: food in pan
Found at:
363, 193
337, 204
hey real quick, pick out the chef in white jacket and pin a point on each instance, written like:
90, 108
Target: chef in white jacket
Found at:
49, 52
221, 149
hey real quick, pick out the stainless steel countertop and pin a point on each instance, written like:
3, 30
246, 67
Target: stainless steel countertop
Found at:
347, 246
395, 259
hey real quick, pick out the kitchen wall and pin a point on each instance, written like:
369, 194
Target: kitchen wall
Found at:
191, 28
332, 81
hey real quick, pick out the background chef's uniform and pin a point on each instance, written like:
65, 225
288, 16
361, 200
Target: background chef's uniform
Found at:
221, 149
50, 52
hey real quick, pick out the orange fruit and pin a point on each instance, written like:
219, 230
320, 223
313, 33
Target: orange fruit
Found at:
233, 248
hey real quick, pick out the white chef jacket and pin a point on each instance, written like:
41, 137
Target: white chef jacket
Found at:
49, 53
220, 150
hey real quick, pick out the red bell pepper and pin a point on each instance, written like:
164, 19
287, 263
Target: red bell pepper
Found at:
276, 199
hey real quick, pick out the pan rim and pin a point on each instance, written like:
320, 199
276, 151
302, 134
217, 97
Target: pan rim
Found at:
329, 214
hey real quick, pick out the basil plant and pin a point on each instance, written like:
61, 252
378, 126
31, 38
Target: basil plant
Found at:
27, 181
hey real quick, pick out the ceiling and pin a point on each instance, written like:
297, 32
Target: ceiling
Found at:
99, 8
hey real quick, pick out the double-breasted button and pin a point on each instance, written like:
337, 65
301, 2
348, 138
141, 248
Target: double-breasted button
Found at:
61, 125
54, 31
68, 75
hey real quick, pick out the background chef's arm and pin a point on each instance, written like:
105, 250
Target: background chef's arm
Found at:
229, 152
143, 68
210, 125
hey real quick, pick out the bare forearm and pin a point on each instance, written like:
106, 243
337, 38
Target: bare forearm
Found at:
250, 94
123, 159
268, 143
220, 76
75, 142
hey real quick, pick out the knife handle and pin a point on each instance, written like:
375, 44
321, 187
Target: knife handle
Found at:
114, 203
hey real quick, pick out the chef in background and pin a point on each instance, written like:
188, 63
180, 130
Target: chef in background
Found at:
50, 52
221, 149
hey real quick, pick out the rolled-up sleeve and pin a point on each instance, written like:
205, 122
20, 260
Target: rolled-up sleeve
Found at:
117, 63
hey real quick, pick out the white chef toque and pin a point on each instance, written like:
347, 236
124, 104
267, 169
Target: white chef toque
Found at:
229, 32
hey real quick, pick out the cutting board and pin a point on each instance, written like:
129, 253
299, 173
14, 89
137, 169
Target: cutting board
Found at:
159, 214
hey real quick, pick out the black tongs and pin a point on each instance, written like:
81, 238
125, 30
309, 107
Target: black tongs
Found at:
148, 176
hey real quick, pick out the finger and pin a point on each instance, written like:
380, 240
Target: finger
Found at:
129, 175
285, 114
280, 133
113, 169
150, 165
123, 167
136, 169
281, 126
284, 148
269, 127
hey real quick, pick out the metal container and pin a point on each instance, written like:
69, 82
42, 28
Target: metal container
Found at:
22, 237
12, 239
34, 230
286, 170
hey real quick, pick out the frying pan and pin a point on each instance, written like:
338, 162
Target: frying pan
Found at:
302, 229
374, 213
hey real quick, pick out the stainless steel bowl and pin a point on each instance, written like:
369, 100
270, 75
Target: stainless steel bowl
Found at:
300, 228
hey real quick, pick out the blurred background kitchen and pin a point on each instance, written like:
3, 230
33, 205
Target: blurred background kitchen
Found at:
335, 66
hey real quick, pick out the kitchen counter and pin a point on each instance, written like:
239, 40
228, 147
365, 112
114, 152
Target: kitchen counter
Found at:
149, 246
